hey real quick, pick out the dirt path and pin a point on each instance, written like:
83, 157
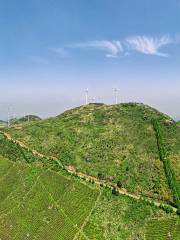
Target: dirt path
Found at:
71, 169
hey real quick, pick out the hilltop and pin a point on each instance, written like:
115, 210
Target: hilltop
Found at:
116, 143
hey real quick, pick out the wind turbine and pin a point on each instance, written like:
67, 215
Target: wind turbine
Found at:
116, 95
86, 95
8, 117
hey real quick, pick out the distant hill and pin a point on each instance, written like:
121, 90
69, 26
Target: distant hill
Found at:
26, 118
2, 122
30, 118
116, 143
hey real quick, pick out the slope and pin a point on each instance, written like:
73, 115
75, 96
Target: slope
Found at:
38, 204
116, 143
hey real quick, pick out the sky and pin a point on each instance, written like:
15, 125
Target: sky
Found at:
52, 50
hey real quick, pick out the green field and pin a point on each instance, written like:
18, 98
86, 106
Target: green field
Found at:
38, 204
121, 217
163, 229
117, 143
42, 204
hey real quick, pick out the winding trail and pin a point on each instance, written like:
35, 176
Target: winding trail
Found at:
71, 169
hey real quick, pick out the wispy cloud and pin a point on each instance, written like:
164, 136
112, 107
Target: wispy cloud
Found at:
112, 48
149, 45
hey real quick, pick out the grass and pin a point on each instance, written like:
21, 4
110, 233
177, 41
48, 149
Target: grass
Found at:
115, 142
41, 204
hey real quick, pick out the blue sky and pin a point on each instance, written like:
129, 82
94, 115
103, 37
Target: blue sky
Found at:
51, 50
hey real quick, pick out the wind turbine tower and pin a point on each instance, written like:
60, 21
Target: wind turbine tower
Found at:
8, 119
116, 95
86, 95
9, 116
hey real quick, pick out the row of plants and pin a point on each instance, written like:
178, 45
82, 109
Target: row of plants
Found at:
169, 172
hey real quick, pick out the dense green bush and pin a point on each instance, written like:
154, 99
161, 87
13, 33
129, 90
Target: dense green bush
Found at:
115, 191
119, 184
166, 208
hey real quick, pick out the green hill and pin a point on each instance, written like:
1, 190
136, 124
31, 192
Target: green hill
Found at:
25, 119
2, 123
30, 118
116, 143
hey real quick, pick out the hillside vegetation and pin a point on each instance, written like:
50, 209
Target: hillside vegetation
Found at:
116, 143
38, 204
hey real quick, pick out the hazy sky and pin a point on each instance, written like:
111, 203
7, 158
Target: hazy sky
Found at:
52, 50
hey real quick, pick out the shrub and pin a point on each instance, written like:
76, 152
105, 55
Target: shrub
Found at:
119, 184
115, 191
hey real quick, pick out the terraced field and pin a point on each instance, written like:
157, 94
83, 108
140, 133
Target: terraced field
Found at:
38, 204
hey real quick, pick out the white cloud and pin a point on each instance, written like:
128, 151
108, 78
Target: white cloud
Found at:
149, 45
112, 48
